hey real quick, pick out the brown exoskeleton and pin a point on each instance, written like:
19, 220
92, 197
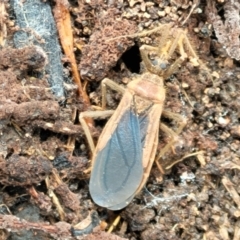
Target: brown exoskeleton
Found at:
127, 146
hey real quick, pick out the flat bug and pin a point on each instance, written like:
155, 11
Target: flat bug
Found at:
127, 146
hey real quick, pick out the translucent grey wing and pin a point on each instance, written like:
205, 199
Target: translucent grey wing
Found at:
143, 123
118, 171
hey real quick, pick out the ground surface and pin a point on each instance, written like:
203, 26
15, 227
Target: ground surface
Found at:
43, 151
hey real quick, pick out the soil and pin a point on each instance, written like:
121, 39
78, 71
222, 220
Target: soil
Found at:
45, 157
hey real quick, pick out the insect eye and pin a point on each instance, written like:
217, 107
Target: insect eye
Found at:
163, 65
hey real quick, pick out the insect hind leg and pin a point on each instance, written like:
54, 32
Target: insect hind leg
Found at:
181, 121
173, 134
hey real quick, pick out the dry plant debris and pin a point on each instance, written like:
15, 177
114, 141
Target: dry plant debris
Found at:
227, 31
62, 18
22, 171
27, 99
27, 105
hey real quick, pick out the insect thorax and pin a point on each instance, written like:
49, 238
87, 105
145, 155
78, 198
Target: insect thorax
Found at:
141, 105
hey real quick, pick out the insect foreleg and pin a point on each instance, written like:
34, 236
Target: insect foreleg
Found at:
144, 49
106, 82
86, 129
99, 114
173, 68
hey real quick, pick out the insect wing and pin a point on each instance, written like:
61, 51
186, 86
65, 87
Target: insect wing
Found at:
118, 170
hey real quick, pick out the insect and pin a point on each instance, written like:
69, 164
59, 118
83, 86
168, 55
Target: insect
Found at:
127, 146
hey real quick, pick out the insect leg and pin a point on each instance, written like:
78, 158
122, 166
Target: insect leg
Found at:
182, 121
164, 45
195, 59
148, 48
165, 55
178, 39
173, 134
144, 49
173, 68
86, 129
111, 84
174, 137
177, 42
99, 114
